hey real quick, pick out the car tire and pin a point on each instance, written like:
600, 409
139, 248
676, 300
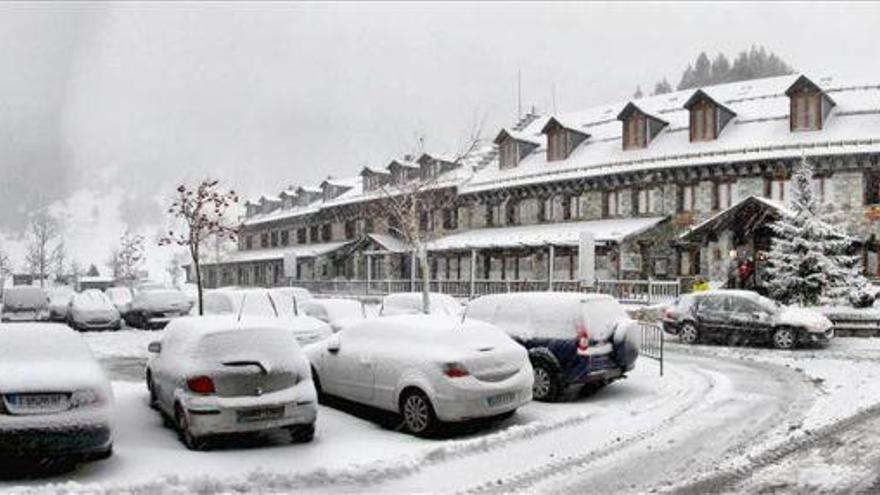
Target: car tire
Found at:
191, 441
689, 334
151, 388
504, 416
784, 338
418, 413
547, 386
590, 389
302, 433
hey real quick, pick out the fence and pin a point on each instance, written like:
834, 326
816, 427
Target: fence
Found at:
626, 291
651, 345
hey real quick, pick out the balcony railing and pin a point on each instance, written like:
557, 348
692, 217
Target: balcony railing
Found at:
626, 291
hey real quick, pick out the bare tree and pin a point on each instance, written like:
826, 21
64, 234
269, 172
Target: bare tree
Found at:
409, 205
43, 239
59, 259
200, 213
5, 269
174, 267
128, 258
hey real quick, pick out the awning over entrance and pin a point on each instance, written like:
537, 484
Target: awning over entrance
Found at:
556, 234
277, 254
389, 243
745, 217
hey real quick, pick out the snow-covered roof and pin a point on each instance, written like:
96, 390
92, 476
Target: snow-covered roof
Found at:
759, 131
389, 243
301, 251
557, 234
721, 215
528, 137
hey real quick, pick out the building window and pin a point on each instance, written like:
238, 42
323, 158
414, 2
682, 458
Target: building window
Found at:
450, 218
511, 212
264, 240
557, 145
643, 201
285, 238
313, 234
326, 232
493, 215
350, 230
369, 225
872, 188
301, 236
273, 238
778, 189
546, 210
722, 198
611, 204
703, 121
687, 198
509, 153
806, 112
822, 189
249, 242
634, 132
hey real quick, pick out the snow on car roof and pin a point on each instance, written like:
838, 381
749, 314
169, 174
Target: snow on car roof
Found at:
553, 296
195, 327
31, 341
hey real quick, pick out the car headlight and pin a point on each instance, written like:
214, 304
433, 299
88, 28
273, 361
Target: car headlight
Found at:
85, 397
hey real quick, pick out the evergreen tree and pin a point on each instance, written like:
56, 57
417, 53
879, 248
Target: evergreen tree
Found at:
808, 262
720, 69
93, 271
702, 71
687, 79
662, 87
638, 93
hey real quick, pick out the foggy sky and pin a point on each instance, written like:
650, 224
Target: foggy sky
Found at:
105, 107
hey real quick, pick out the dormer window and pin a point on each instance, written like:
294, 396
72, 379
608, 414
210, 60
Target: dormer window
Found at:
707, 116
561, 139
513, 147
810, 106
639, 127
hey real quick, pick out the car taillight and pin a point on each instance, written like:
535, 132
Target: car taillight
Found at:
583, 342
201, 384
455, 370
669, 314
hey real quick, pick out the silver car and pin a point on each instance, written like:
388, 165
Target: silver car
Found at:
92, 310
225, 374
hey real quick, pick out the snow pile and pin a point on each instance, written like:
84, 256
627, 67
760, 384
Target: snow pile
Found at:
123, 343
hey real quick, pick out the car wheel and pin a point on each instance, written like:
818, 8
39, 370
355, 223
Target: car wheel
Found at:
590, 389
151, 388
418, 414
302, 433
191, 441
689, 334
546, 386
504, 416
784, 338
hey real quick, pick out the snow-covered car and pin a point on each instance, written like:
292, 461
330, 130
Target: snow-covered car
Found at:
338, 313
92, 310
24, 303
121, 298
156, 307
410, 303
191, 291
59, 302
429, 369
739, 316
576, 342
55, 400
261, 303
148, 285
223, 374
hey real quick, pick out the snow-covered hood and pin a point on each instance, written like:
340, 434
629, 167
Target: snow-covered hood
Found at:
809, 319
57, 375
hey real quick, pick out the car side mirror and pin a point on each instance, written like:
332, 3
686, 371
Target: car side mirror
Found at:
333, 344
155, 347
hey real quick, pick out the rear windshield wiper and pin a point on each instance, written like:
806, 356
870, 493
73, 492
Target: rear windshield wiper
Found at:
258, 364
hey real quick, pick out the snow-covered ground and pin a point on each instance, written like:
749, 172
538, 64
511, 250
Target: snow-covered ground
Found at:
721, 419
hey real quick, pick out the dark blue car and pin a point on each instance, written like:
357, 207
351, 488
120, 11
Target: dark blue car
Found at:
576, 342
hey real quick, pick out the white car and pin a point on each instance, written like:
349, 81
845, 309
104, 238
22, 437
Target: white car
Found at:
121, 297
56, 403
216, 375
260, 303
59, 302
298, 293
410, 303
338, 313
154, 308
91, 310
430, 369
24, 303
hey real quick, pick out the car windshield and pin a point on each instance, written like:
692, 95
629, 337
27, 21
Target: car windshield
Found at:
343, 309
162, 297
60, 295
24, 297
118, 294
603, 314
90, 299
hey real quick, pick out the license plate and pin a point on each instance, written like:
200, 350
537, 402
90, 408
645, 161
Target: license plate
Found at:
501, 399
261, 414
36, 403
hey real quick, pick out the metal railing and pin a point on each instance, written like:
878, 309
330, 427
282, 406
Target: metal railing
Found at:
651, 344
626, 291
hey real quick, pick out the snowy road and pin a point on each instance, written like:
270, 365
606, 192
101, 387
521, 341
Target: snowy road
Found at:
721, 419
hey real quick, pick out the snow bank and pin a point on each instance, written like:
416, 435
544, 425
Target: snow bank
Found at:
123, 343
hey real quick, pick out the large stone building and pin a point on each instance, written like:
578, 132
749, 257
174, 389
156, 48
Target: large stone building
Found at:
670, 186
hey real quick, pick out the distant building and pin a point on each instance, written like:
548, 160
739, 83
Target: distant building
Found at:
663, 182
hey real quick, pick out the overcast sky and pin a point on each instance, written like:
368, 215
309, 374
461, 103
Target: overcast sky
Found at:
105, 107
